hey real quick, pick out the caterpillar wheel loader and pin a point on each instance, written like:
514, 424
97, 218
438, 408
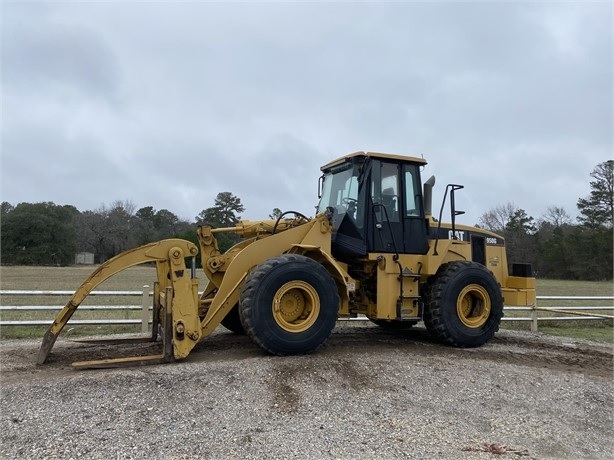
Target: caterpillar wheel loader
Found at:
373, 248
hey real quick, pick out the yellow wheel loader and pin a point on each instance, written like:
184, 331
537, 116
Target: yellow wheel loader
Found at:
373, 249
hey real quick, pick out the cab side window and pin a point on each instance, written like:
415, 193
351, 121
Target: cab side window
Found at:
412, 193
385, 191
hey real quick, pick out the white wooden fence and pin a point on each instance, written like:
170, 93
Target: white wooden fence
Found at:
144, 308
594, 312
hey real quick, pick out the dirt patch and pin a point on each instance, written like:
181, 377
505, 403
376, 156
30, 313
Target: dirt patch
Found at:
353, 343
367, 393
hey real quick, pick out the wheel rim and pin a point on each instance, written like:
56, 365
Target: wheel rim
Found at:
296, 306
473, 306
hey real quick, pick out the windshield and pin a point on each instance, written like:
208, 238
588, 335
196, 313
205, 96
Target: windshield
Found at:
340, 191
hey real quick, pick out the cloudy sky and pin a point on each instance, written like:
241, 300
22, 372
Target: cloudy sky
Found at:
166, 104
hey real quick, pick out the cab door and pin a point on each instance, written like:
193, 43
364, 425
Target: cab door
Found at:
396, 219
385, 216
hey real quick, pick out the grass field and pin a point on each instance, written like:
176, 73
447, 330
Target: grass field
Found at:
133, 279
598, 330
69, 279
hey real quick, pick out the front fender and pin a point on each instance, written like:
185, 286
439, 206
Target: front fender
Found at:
345, 283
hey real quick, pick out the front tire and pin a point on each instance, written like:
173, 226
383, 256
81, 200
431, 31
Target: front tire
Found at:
463, 304
289, 305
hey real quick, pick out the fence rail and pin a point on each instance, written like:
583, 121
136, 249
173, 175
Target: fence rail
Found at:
577, 312
144, 308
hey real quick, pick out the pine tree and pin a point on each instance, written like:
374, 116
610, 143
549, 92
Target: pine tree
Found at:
224, 211
223, 214
597, 210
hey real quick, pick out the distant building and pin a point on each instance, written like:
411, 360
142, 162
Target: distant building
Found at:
84, 258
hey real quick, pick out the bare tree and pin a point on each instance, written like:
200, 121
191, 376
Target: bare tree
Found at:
555, 216
497, 219
107, 231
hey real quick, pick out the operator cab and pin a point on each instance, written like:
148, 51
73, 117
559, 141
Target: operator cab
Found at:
376, 205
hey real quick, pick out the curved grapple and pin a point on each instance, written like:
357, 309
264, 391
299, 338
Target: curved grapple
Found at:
175, 303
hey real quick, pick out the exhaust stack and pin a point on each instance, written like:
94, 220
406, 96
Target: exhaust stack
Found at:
428, 196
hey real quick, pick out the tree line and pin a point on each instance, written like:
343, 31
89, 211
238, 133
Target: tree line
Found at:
556, 246
50, 234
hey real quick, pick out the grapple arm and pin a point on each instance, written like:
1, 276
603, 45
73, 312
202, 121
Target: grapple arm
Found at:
157, 252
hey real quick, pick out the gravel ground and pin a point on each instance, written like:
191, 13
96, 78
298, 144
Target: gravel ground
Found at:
367, 393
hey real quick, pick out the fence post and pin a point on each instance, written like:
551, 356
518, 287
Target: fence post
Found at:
534, 318
145, 310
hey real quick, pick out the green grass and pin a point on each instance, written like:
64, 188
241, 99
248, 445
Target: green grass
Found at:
69, 278
574, 288
133, 279
603, 333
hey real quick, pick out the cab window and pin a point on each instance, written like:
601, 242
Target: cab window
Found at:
385, 191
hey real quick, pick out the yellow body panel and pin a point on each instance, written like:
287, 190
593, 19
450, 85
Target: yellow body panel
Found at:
519, 291
519, 297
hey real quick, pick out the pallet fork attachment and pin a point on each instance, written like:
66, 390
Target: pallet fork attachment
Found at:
175, 302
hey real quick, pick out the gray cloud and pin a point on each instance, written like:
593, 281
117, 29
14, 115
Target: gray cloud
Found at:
168, 104
56, 61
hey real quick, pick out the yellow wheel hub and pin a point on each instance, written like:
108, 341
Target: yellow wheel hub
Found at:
473, 306
296, 306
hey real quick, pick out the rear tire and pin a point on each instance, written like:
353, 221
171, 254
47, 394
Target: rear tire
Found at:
232, 321
289, 305
463, 304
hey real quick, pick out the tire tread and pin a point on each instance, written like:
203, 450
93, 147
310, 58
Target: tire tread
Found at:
250, 288
435, 308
